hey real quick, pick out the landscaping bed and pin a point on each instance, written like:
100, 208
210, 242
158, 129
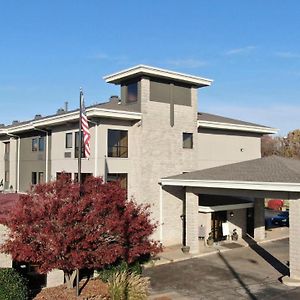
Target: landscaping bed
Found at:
94, 289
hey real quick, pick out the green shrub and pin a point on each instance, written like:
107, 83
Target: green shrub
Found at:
12, 285
105, 273
128, 286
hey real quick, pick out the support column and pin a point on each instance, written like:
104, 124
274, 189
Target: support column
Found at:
191, 215
294, 212
259, 219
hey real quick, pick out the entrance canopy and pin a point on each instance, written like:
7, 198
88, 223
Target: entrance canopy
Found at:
274, 174
259, 178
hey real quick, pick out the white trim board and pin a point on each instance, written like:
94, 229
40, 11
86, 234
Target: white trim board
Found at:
243, 185
236, 127
138, 70
209, 209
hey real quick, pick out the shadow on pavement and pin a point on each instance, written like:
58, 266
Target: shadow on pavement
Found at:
268, 257
237, 277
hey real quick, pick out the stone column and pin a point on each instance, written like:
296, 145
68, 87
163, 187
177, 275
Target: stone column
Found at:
259, 219
192, 221
55, 278
294, 278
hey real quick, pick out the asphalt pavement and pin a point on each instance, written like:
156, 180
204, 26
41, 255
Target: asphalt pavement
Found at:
244, 273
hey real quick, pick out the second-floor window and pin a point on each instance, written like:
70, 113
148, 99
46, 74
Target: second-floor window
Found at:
7, 147
187, 140
41, 143
77, 145
117, 143
132, 92
34, 144
69, 140
38, 144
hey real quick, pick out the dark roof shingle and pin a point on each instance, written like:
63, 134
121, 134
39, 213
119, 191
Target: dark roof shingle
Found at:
266, 169
215, 118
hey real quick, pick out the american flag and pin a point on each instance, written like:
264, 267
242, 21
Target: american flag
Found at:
85, 128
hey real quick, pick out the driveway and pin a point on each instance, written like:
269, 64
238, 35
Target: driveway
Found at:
243, 273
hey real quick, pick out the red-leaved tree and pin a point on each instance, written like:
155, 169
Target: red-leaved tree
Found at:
56, 226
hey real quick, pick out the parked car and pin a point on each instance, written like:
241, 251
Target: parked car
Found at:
282, 219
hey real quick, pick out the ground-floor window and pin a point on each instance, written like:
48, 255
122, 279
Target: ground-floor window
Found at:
58, 175
121, 177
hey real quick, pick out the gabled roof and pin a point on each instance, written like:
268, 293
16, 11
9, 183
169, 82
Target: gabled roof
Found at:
266, 169
143, 70
272, 173
207, 120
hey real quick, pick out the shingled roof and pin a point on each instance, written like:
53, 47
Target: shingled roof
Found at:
220, 119
268, 169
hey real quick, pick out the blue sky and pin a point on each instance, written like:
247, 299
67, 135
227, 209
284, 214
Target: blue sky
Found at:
250, 48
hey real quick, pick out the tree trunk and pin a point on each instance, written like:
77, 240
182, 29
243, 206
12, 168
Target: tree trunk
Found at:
70, 278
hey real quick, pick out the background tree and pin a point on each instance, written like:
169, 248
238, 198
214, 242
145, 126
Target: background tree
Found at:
288, 146
56, 228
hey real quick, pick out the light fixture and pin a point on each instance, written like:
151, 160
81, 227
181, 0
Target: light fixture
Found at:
231, 214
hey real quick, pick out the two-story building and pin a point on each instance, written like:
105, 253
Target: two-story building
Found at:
154, 130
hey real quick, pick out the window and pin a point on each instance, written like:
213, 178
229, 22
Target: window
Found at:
187, 140
84, 176
121, 177
117, 143
7, 147
34, 179
69, 140
77, 145
58, 175
41, 143
132, 92
41, 177
34, 145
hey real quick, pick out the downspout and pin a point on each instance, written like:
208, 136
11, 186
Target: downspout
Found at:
47, 151
96, 147
161, 213
18, 160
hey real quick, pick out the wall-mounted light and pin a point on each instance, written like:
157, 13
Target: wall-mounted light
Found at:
231, 214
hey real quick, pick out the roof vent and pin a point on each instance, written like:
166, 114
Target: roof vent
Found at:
37, 116
14, 122
114, 98
60, 111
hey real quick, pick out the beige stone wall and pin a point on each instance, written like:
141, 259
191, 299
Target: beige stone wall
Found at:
5, 260
1, 163
205, 220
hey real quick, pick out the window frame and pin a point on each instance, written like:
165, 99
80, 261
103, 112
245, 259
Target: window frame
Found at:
118, 177
34, 144
185, 138
135, 87
68, 134
34, 175
119, 152
41, 149
76, 148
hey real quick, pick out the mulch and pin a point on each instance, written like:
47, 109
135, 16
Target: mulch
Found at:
94, 289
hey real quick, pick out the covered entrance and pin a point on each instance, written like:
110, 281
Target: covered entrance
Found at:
270, 177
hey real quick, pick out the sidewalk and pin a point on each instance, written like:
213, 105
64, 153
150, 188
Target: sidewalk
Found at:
174, 254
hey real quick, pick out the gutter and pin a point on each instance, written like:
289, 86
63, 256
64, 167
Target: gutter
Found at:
237, 127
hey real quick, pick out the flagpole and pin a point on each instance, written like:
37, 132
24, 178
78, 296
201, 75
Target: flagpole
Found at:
79, 171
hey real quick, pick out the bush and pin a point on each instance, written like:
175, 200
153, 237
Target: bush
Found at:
106, 273
128, 286
12, 285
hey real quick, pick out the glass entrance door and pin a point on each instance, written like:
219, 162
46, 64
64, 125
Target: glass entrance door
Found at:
217, 218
